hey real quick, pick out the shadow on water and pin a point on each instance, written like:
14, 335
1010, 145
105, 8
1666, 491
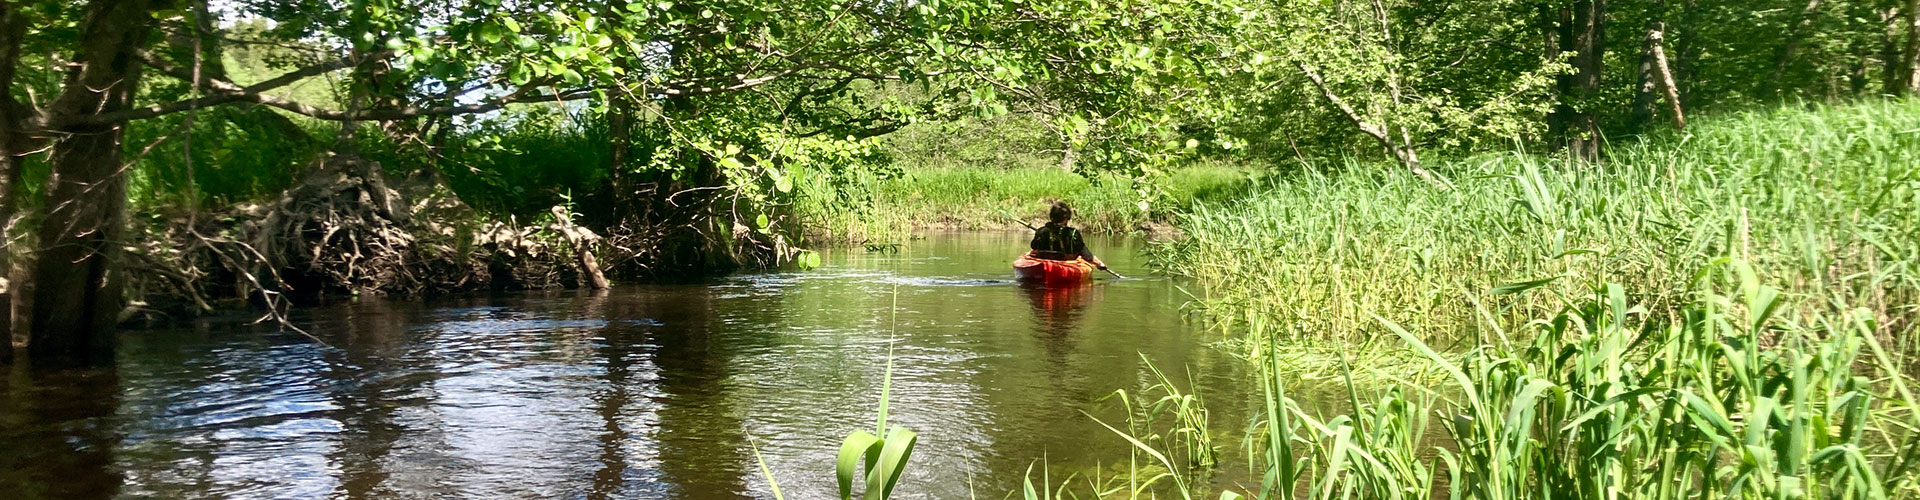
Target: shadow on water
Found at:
58, 428
699, 427
647, 391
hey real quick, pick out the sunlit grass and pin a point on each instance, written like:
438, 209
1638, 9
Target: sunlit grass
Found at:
1718, 397
1726, 313
1824, 200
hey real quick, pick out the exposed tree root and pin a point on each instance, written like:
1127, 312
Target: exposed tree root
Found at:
346, 229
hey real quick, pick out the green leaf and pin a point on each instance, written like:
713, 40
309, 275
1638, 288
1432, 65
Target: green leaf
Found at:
512, 25
519, 75
807, 259
762, 222
856, 447
1522, 406
1517, 287
1459, 376
771, 482
490, 33
894, 453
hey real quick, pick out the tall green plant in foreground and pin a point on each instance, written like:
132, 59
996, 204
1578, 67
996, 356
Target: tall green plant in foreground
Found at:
884, 458
1719, 397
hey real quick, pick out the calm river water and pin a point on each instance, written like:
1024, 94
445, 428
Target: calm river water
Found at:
649, 391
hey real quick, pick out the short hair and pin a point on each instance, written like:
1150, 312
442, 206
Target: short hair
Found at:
1060, 212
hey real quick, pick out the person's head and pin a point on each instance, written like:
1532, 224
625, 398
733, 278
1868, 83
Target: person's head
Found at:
1060, 213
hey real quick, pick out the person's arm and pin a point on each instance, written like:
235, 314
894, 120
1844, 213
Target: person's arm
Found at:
1085, 252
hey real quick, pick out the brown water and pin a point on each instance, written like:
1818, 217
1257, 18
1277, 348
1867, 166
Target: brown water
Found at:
649, 391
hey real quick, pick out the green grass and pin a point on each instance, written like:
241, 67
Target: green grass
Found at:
1722, 396
1822, 200
1725, 313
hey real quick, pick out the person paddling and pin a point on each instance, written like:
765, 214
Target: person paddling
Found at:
1058, 241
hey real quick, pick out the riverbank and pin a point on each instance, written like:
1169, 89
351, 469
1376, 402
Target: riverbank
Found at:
1821, 201
1724, 312
974, 199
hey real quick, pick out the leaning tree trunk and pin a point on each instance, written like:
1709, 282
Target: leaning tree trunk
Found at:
1646, 84
1664, 73
73, 298
1656, 81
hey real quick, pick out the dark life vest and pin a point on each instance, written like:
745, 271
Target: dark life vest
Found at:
1058, 242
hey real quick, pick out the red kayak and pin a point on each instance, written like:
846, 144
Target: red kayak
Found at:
1052, 272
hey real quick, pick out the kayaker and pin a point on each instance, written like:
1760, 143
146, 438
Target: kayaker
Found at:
1058, 241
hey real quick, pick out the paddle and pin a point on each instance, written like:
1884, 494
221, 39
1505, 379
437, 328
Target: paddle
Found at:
1023, 222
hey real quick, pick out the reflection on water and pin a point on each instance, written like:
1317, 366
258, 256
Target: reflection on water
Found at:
648, 391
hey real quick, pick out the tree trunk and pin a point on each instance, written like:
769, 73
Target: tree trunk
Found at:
74, 300
1551, 22
1646, 84
1910, 58
1893, 59
620, 144
14, 145
1578, 29
1665, 73
1589, 53
1686, 48
1795, 33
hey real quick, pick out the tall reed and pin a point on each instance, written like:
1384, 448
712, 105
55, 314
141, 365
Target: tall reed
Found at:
1720, 397
1821, 198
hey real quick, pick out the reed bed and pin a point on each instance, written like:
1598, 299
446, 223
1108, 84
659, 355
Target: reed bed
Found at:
1724, 313
1721, 397
1822, 199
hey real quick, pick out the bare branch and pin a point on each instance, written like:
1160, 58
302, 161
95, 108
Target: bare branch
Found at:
224, 92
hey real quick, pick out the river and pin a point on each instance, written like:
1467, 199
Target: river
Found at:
646, 391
